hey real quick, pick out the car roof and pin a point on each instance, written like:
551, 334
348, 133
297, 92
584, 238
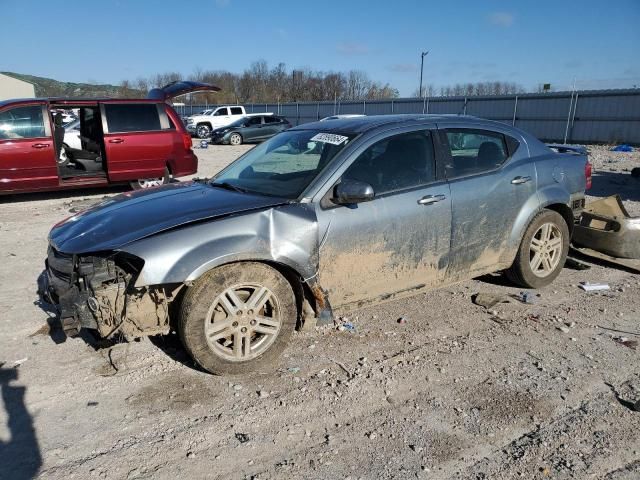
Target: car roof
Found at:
73, 101
363, 124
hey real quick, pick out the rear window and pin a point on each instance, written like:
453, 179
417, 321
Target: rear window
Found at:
236, 111
132, 118
271, 120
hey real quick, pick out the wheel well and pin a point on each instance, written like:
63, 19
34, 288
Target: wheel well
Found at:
566, 213
204, 123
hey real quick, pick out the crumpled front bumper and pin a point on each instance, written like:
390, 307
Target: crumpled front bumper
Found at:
61, 289
94, 292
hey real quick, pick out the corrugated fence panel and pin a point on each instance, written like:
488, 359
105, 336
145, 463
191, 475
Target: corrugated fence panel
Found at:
597, 116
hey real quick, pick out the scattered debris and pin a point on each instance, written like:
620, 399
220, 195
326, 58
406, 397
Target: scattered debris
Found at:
632, 344
619, 331
263, 394
622, 148
576, 264
592, 287
293, 369
242, 437
17, 363
402, 320
488, 300
191, 455
527, 297
563, 329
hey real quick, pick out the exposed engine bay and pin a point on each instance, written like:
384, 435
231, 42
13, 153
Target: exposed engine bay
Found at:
97, 292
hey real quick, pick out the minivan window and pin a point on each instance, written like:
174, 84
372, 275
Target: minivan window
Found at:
132, 117
398, 162
254, 121
474, 151
22, 122
271, 119
236, 111
220, 112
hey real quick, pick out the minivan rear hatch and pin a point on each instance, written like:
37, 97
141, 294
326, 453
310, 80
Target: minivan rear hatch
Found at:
175, 89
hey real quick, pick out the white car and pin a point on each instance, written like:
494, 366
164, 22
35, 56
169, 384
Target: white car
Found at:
202, 124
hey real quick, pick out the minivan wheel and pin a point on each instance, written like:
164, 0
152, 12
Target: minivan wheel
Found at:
237, 318
203, 131
542, 252
144, 183
235, 139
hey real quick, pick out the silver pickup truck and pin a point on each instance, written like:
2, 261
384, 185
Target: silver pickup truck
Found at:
326, 215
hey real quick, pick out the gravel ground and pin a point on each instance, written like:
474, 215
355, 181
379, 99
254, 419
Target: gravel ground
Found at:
451, 391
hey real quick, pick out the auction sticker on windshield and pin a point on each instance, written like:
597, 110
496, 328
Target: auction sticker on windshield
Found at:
331, 138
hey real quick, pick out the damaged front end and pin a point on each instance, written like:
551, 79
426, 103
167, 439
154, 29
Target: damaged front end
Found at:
97, 292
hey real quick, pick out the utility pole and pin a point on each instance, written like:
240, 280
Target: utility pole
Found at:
422, 55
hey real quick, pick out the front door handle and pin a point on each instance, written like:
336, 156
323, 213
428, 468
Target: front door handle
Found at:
40, 145
520, 180
116, 140
431, 199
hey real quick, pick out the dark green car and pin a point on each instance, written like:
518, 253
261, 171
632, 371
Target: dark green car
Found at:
252, 128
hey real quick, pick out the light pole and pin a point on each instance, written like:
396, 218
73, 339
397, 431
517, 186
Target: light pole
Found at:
422, 55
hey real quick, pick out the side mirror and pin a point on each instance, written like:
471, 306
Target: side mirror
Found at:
352, 191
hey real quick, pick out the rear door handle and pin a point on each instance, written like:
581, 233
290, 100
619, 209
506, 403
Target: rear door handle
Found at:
40, 145
116, 140
431, 199
520, 180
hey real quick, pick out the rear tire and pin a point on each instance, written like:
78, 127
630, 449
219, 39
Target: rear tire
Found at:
145, 183
237, 318
542, 252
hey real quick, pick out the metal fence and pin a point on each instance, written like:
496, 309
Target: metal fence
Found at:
594, 116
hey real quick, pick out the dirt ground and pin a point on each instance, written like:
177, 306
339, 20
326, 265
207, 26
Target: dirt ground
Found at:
453, 390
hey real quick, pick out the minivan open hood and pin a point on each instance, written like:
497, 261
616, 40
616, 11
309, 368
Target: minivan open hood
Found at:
134, 215
175, 89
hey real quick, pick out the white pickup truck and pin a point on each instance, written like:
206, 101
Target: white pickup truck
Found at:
201, 125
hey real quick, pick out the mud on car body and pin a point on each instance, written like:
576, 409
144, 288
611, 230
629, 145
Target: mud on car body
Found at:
324, 215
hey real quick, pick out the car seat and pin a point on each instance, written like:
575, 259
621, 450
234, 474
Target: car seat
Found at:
490, 156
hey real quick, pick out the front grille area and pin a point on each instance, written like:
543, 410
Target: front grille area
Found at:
60, 264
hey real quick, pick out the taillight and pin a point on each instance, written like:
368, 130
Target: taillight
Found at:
186, 138
587, 174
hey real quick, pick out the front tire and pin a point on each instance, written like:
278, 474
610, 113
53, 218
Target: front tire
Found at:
203, 131
235, 139
237, 318
542, 252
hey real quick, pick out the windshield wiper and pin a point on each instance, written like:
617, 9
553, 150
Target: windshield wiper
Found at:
229, 186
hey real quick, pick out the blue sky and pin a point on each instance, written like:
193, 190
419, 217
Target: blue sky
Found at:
595, 42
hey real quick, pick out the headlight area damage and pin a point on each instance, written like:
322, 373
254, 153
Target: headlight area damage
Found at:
97, 292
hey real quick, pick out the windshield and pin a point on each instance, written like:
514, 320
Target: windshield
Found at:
285, 165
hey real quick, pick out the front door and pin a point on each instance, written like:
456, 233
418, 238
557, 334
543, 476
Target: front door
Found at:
396, 243
138, 140
491, 181
27, 150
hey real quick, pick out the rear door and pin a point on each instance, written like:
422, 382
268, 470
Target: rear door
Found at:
491, 179
138, 140
272, 125
27, 150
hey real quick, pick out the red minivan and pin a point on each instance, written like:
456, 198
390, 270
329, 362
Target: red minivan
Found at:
141, 142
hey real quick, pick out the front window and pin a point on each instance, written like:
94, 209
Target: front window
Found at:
285, 165
220, 112
22, 122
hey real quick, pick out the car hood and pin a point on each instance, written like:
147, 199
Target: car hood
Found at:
131, 216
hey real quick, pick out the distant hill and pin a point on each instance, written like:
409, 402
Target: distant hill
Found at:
47, 87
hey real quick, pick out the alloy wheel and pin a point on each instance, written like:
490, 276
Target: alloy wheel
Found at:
243, 322
545, 250
203, 131
235, 139
150, 182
